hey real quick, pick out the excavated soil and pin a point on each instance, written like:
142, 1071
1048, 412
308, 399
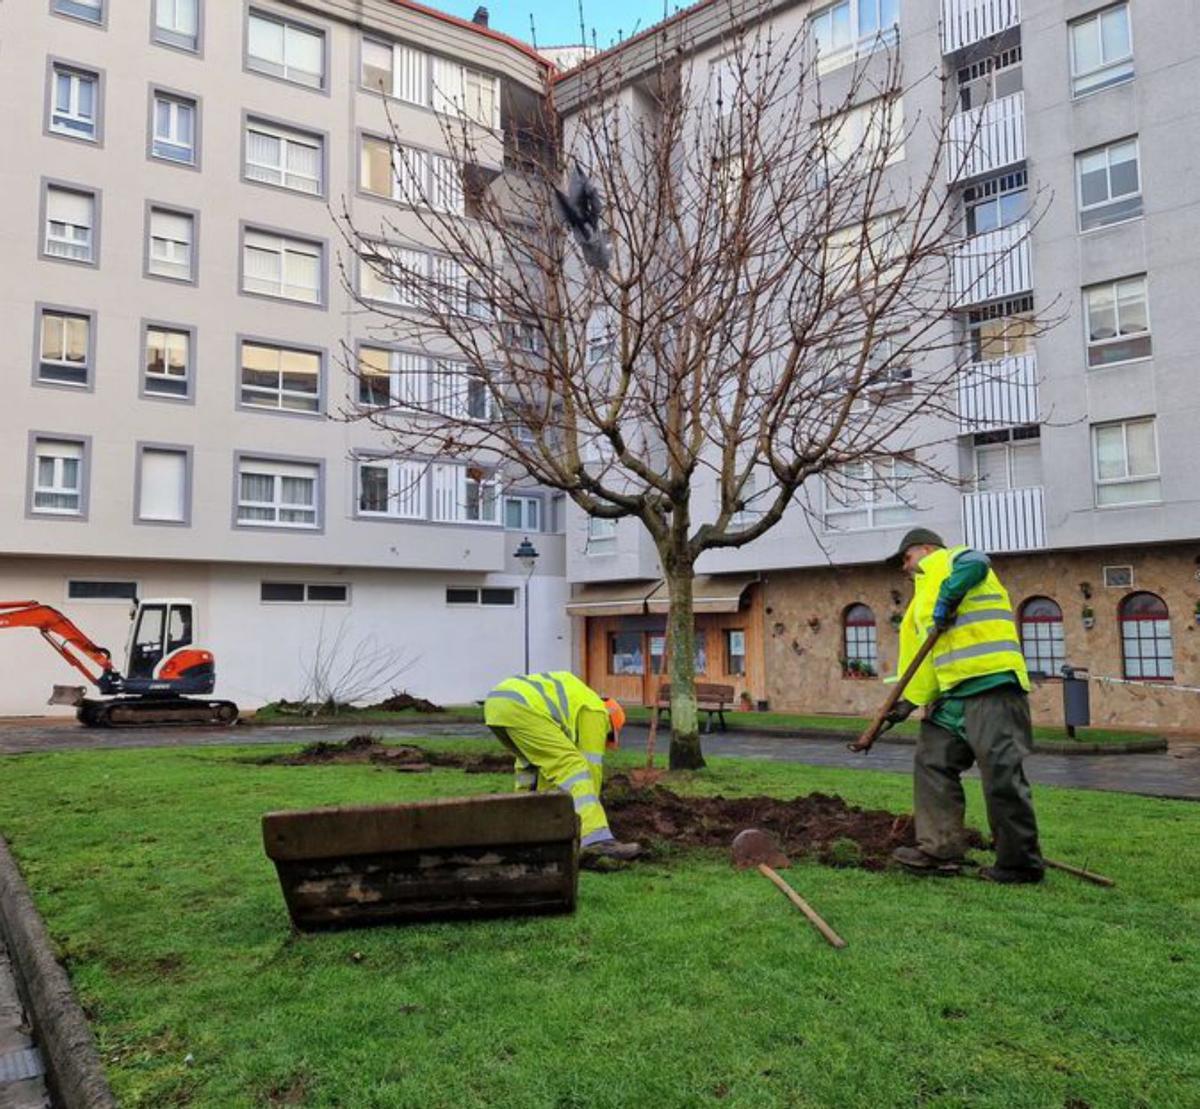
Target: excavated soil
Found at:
408, 760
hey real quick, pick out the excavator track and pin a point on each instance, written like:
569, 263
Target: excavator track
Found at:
143, 712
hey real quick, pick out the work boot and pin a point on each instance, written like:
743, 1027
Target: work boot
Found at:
915, 861
1006, 876
608, 854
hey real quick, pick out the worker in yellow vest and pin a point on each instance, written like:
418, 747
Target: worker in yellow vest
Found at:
974, 686
557, 728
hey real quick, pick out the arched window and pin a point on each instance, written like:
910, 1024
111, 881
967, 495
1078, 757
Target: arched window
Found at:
860, 656
1146, 638
1042, 636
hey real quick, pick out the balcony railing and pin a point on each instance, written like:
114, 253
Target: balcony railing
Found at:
968, 21
999, 394
1011, 520
986, 139
991, 266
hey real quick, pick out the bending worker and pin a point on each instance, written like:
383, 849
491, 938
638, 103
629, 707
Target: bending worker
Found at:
557, 728
975, 688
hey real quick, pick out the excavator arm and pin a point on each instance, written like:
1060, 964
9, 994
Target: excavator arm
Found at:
64, 637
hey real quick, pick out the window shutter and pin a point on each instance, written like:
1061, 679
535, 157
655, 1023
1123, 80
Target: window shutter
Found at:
447, 185
170, 225
163, 491
449, 491
448, 86
410, 489
411, 69
412, 175
411, 373
63, 206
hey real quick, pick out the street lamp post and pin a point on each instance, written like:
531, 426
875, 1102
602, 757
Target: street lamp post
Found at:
527, 555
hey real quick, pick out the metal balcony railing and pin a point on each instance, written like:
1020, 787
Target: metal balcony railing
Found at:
993, 395
1010, 520
968, 21
992, 266
986, 139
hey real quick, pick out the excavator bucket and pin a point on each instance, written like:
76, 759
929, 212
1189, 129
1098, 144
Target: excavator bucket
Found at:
66, 695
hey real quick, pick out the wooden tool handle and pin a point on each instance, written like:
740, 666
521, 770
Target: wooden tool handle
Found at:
813, 916
867, 740
1086, 875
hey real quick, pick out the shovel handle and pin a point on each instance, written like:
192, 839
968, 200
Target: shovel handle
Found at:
814, 917
1079, 872
866, 741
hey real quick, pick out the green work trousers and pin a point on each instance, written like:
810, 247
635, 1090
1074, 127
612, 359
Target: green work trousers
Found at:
997, 735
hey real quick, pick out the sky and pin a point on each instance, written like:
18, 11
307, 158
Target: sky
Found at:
557, 21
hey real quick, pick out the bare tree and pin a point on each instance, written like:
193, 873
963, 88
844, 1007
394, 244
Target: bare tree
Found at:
780, 307
341, 671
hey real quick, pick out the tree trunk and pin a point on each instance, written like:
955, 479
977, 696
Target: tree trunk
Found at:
681, 638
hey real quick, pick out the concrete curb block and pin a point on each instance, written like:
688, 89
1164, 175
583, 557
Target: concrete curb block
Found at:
74, 1072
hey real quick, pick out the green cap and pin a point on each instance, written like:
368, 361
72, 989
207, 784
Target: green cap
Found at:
918, 537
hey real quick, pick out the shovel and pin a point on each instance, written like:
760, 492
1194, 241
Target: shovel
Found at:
754, 847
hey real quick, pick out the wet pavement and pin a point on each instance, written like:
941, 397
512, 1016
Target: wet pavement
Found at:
1173, 773
22, 1082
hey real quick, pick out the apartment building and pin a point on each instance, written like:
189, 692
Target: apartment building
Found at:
1076, 451
180, 337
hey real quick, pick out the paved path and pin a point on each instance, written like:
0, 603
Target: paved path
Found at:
1174, 773
21, 1083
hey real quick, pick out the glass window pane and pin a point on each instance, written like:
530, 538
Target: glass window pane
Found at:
1093, 185
266, 39
1143, 457
1085, 38
1110, 452
1102, 313
1114, 33
1124, 169
1131, 301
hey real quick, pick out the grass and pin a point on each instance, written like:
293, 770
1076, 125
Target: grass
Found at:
454, 714
677, 983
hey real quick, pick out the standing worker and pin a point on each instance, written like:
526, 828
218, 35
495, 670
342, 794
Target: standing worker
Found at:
557, 728
975, 688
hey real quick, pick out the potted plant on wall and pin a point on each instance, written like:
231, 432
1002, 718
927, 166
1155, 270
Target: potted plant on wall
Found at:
858, 669
1196, 612
1089, 617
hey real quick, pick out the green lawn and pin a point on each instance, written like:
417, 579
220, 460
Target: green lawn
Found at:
677, 983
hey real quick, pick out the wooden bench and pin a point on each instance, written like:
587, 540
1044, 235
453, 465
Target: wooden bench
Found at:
711, 698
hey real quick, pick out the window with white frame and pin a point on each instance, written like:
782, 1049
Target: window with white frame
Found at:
58, 476
447, 193
397, 172
602, 337
522, 513
299, 592
1002, 330
866, 132
1042, 638
64, 357
280, 266
601, 534
1101, 50
392, 487
1126, 455
448, 285
1109, 184
75, 102
280, 378
273, 493
457, 392
90, 10
392, 378
1147, 650
171, 237
464, 494
284, 49
995, 203
177, 23
990, 78
174, 137
870, 494
70, 224
841, 30
1008, 459
396, 275
860, 648
400, 71
1117, 318
284, 156
861, 252
376, 73
749, 508
168, 367
163, 485
458, 90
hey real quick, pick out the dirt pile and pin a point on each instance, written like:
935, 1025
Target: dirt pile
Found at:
404, 702
818, 825
362, 749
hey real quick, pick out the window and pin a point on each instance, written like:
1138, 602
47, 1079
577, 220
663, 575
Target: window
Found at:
1118, 577
280, 378
457, 392
272, 493
447, 193
168, 369
750, 508
392, 378
171, 237
625, 653
1118, 321
523, 513
394, 274
860, 654
482, 98
602, 337
1004, 330
278, 155
1008, 459
74, 102
735, 652
870, 494
398, 172
400, 71
376, 66
601, 534
64, 354
392, 487
488, 596
91, 10
991, 78
658, 645
174, 134
998, 202
1101, 50
1126, 462
1041, 626
298, 592
1146, 647
70, 225
840, 29
278, 266
163, 486
465, 494
866, 132
1110, 185
287, 50
177, 23
83, 590
58, 478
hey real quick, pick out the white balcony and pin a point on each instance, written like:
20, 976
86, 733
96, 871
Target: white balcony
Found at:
992, 266
1012, 520
968, 21
999, 394
986, 139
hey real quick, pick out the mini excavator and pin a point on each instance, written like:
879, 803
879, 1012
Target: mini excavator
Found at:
162, 666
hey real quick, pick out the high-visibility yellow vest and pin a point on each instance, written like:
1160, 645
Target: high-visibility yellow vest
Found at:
982, 640
557, 695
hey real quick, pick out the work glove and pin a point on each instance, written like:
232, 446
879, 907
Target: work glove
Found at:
943, 614
900, 712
